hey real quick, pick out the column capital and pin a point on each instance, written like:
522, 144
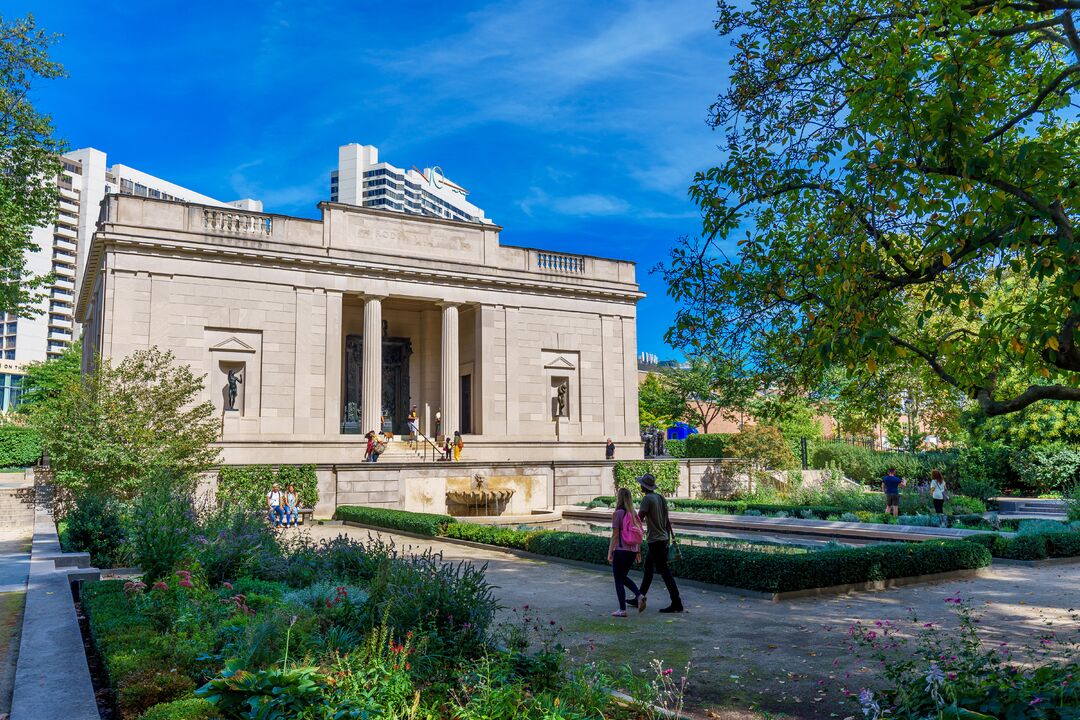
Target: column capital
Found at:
366, 297
447, 304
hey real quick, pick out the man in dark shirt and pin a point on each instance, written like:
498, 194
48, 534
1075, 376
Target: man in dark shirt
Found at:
653, 510
890, 485
609, 450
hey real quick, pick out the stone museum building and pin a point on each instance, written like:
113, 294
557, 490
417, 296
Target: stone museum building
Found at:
310, 333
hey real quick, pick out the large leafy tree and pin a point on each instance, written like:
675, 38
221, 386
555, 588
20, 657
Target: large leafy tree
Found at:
902, 180
29, 159
121, 425
712, 388
47, 379
659, 405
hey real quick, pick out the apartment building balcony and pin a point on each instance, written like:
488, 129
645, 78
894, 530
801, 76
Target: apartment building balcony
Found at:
64, 283
63, 270
63, 323
65, 231
65, 243
59, 335
69, 193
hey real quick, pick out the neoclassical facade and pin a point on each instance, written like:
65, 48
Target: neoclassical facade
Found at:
311, 333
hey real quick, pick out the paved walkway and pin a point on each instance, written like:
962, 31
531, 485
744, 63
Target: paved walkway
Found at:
749, 653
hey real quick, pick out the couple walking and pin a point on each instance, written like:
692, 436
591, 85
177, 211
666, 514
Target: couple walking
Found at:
625, 547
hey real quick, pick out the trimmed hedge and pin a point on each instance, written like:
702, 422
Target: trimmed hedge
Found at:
1030, 547
708, 445
418, 523
764, 572
675, 448
247, 485
666, 473
19, 446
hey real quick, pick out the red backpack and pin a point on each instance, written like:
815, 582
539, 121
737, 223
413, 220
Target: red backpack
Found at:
631, 532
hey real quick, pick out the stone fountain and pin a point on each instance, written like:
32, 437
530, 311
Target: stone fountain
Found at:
478, 500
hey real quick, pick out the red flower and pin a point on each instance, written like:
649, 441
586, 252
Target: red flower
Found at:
185, 583
227, 585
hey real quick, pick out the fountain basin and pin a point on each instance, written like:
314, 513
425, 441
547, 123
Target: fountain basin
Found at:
478, 502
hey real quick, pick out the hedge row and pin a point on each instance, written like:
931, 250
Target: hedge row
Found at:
708, 445
1031, 547
763, 572
247, 485
418, 523
666, 473
19, 446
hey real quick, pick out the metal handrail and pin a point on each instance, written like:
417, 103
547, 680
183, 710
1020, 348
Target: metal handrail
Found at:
428, 442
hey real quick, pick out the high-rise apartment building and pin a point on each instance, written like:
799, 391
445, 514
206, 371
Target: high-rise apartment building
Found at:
360, 179
84, 181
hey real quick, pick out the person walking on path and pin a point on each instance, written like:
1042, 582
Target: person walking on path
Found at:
890, 485
458, 444
274, 501
653, 510
609, 450
937, 491
370, 446
624, 550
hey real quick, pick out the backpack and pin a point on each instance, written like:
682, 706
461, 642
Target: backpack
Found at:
380, 448
630, 532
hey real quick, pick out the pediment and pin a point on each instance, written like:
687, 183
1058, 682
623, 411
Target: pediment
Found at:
232, 344
560, 363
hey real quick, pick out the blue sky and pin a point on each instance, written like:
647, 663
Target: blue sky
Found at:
576, 126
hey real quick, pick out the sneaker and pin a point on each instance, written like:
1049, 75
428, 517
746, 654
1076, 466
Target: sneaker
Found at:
673, 608
619, 613
641, 604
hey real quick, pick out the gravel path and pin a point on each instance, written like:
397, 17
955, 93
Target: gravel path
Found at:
749, 654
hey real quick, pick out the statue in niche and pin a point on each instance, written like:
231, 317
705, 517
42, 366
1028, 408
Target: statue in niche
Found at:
561, 399
235, 379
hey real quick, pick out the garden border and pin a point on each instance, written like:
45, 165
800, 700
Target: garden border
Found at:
870, 586
1045, 562
52, 676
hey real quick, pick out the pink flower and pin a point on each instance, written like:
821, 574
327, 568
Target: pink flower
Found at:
160, 585
185, 583
1036, 701
667, 672
227, 585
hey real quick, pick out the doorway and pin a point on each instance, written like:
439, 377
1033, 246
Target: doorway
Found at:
466, 404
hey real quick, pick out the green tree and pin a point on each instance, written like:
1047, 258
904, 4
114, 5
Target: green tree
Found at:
796, 418
658, 403
905, 175
29, 160
120, 424
712, 388
47, 379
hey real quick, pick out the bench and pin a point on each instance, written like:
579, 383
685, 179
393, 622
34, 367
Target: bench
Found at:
303, 515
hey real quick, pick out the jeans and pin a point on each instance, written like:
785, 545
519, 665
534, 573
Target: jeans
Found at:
290, 514
621, 562
374, 456
656, 561
277, 514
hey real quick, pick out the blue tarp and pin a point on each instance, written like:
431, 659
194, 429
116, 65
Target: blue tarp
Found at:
680, 431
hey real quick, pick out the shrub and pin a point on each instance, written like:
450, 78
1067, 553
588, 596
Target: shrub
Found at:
676, 448
501, 536
20, 446
233, 542
983, 472
857, 463
246, 485
1040, 527
752, 513
418, 523
961, 505
144, 689
849, 517
95, 524
708, 445
186, 709
763, 445
666, 473
163, 524
1072, 502
1043, 468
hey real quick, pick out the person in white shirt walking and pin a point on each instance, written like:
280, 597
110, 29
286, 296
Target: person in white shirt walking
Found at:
937, 491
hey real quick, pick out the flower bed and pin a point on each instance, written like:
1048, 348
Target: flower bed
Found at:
341, 629
750, 570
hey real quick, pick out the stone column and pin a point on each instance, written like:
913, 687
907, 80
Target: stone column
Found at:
371, 378
451, 369
332, 408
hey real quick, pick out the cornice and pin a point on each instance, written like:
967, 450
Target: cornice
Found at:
109, 237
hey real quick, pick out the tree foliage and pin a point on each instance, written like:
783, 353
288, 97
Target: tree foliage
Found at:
658, 403
29, 159
712, 388
117, 426
904, 175
47, 379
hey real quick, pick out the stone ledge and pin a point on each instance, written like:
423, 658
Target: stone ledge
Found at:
52, 678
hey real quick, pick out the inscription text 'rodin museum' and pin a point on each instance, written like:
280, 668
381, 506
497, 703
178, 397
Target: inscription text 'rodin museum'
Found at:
311, 333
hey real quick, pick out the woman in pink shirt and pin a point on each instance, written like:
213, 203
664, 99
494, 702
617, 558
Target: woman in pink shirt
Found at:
625, 549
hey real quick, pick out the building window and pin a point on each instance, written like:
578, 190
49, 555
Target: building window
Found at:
9, 354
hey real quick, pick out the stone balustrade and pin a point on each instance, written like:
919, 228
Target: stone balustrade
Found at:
558, 263
230, 221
